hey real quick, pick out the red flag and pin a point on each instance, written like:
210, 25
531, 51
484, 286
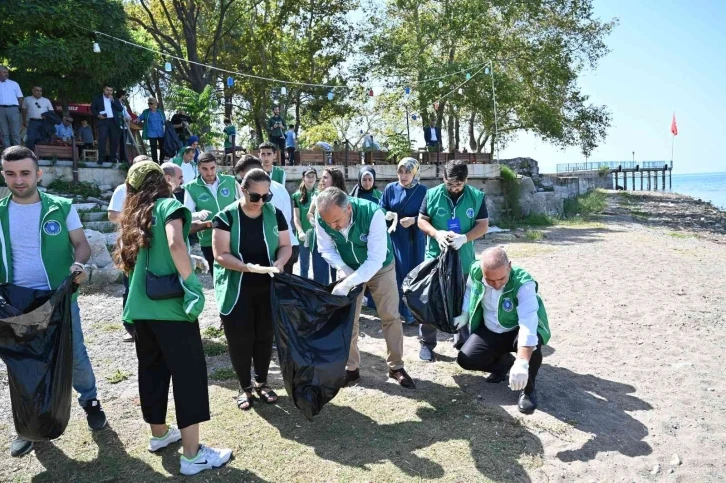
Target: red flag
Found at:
674, 126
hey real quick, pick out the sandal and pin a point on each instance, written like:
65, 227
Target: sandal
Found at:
244, 400
266, 393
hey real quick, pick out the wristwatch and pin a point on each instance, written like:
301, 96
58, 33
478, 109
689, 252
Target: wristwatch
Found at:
81, 265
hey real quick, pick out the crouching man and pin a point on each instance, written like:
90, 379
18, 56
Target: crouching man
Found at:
505, 315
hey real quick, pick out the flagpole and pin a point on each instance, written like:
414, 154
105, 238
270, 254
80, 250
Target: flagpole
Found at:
673, 143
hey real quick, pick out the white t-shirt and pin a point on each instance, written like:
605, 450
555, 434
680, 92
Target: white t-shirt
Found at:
281, 200
9, 93
28, 269
189, 171
189, 201
30, 104
118, 198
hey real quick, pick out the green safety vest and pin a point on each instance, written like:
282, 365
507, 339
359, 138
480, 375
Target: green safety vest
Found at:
229, 131
354, 249
278, 174
138, 305
56, 249
304, 208
204, 200
228, 283
507, 313
441, 209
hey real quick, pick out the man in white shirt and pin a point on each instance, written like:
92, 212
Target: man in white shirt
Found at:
11, 98
280, 199
33, 109
506, 315
187, 164
352, 237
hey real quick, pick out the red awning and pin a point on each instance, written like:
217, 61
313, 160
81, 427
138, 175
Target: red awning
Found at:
84, 110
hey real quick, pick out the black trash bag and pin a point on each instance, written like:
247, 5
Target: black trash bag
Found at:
36, 346
172, 143
313, 330
434, 291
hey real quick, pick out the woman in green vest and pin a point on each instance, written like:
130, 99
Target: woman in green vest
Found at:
301, 200
152, 249
251, 241
322, 272
366, 187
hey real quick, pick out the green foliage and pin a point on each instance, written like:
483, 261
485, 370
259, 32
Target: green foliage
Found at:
324, 132
45, 43
530, 220
588, 204
603, 171
201, 106
223, 374
398, 147
507, 174
212, 332
80, 188
213, 348
533, 235
118, 376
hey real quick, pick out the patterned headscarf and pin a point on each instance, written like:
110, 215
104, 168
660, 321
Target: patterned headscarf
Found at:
410, 164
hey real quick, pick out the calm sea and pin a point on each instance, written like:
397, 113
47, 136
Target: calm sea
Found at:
707, 186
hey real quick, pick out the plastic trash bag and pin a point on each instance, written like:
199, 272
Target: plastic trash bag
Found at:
434, 291
36, 346
313, 330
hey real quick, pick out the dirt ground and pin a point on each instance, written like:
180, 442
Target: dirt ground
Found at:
632, 377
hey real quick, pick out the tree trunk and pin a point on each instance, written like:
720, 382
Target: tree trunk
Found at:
472, 138
450, 129
456, 133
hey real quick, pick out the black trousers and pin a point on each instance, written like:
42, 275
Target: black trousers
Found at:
280, 143
293, 259
290, 155
209, 257
108, 131
489, 351
122, 147
249, 332
172, 350
157, 143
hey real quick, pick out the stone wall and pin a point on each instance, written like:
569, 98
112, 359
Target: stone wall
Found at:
98, 176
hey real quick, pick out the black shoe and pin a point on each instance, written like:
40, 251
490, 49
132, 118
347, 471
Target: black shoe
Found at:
351, 377
496, 378
527, 402
426, 354
20, 447
402, 378
95, 416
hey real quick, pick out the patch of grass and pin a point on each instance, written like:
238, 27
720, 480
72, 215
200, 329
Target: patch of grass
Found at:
581, 222
507, 174
118, 376
111, 327
80, 188
223, 374
533, 235
213, 348
531, 220
640, 214
212, 332
588, 204
676, 234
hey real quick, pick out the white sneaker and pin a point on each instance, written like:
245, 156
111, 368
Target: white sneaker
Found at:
206, 459
171, 436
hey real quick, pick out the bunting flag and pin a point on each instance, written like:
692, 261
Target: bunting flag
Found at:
674, 126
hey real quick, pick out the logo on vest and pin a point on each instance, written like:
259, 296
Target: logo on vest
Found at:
205, 197
52, 227
507, 304
224, 192
276, 231
442, 212
470, 212
364, 237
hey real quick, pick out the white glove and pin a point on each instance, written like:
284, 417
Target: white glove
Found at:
392, 216
202, 215
519, 375
442, 238
200, 263
342, 288
254, 268
301, 237
346, 271
461, 321
456, 241
308, 237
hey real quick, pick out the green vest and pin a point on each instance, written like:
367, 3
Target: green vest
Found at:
441, 209
278, 174
304, 208
507, 313
354, 249
228, 283
138, 305
204, 200
56, 249
229, 131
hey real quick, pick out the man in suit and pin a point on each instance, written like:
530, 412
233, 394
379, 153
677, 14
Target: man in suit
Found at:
104, 108
432, 135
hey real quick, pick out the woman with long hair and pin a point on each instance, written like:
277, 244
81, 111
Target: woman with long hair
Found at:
251, 241
165, 298
301, 200
322, 272
401, 201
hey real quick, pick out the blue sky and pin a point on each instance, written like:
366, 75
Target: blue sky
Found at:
666, 56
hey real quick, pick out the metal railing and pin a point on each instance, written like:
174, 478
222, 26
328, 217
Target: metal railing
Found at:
575, 167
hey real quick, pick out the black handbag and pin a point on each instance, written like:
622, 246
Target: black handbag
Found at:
162, 287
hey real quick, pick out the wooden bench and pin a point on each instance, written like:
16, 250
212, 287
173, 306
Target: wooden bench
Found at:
50, 151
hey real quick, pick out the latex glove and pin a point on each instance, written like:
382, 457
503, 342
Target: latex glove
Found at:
301, 237
254, 268
461, 321
345, 272
200, 263
342, 288
308, 237
201, 215
408, 221
391, 215
519, 375
394, 221
442, 238
456, 241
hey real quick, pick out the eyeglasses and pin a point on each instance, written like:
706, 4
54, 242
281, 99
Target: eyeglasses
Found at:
255, 197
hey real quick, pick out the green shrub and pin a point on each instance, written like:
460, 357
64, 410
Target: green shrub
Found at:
80, 188
588, 204
507, 174
223, 374
603, 171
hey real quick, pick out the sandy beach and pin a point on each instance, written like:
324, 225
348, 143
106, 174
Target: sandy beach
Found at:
631, 388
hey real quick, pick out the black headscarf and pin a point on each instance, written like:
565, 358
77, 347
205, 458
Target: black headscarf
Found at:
358, 191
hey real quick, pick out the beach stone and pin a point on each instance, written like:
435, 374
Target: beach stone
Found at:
111, 238
84, 206
100, 256
95, 200
99, 277
655, 470
105, 187
527, 191
675, 460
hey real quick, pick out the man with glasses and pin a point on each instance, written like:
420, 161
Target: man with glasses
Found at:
452, 215
104, 108
280, 199
206, 196
33, 109
64, 130
11, 98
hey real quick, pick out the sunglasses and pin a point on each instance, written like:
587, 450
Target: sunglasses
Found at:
255, 197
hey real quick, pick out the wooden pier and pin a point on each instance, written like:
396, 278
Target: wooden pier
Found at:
646, 170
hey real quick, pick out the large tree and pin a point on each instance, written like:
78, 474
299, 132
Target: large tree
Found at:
50, 43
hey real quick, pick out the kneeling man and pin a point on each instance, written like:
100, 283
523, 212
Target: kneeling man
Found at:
506, 315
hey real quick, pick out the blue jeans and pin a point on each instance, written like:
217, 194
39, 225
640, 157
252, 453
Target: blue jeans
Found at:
321, 269
304, 260
84, 382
